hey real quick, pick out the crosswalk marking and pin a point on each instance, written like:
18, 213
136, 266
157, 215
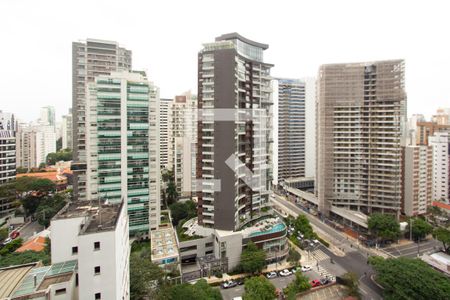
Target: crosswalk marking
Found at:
319, 255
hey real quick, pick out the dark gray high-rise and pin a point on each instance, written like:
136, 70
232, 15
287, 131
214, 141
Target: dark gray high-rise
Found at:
233, 83
90, 58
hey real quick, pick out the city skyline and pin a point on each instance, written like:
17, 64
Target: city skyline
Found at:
169, 55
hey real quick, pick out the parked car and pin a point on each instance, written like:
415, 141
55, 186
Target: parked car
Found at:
271, 275
7, 241
316, 242
228, 284
240, 281
315, 283
14, 234
285, 273
324, 281
306, 268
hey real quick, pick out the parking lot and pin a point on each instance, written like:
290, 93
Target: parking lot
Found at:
279, 282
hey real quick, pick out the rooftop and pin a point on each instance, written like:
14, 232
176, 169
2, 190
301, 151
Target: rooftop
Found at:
164, 245
12, 277
99, 216
265, 226
34, 244
237, 36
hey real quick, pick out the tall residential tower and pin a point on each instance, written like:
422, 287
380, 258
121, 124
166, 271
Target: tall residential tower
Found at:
90, 58
234, 96
361, 115
122, 146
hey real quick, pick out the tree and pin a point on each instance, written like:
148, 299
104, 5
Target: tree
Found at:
48, 207
59, 144
54, 157
182, 210
171, 192
407, 278
293, 256
145, 276
259, 288
253, 260
21, 170
200, 290
301, 224
11, 247
420, 228
443, 235
3, 233
19, 258
383, 226
351, 281
300, 284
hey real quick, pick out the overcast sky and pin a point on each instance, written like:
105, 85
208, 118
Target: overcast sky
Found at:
165, 36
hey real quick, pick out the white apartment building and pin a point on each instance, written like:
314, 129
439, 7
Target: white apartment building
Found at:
33, 144
122, 146
96, 236
47, 116
440, 144
417, 179
165, 150
90, 58
183, 135
66, 131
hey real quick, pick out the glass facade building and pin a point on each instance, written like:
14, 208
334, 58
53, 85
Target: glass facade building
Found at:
123, 148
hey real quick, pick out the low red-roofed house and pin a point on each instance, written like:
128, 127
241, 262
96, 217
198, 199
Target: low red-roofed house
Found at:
34, 244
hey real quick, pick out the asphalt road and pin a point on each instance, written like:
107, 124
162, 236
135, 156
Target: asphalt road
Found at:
278, 282
354, 260
30, 229
411, 249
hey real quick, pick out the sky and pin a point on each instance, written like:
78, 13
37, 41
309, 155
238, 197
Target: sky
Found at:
165, 37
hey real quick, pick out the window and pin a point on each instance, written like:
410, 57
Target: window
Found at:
60, 292
96, 246
74, 250
98, 296
97, 270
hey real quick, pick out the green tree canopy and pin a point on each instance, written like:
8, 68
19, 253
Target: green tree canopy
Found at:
29, 184
300, 284
259, 288
253, 260
407, 278
200, 290
19, 258
182, 210
293, 256
54, 157
383, 226
443, 235
145, 276
351, 281
11, 247
420, 228
48, 207
301, 224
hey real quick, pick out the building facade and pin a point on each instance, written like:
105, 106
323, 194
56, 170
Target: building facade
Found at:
33, 143
66, 131
234, 96
90, 58
441, 166
95, 235
361, 117
183, 137
289, 141
442, 116
47, 116
8, 127
427, 129
417, 179
165, 157
123, 146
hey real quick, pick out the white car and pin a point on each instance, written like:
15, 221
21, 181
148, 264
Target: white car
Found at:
285, 273
271, 275
306, 268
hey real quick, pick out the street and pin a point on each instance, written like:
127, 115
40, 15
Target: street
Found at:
279, 282
29, 230
355, 257
410, 249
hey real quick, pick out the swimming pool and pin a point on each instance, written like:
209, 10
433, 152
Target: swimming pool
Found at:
276, 228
